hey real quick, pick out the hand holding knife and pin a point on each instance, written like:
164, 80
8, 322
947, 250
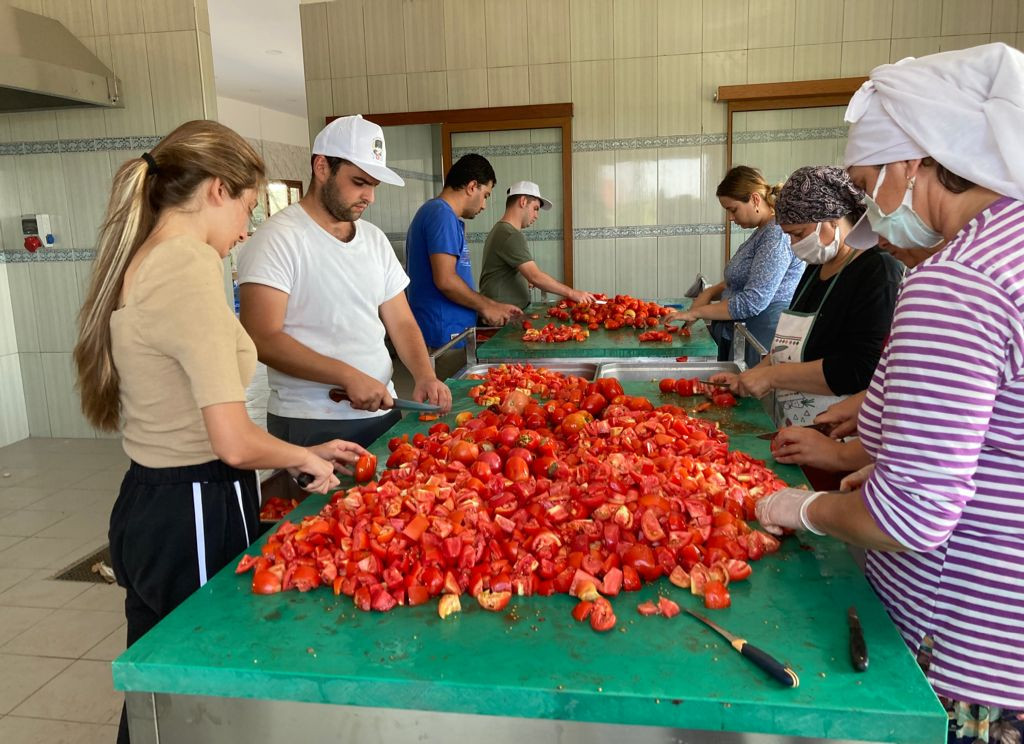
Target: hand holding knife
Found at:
338, 395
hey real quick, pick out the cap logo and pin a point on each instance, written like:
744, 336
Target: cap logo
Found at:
378, 148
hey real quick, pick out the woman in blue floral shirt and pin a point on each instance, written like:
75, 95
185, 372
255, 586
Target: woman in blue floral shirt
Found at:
762, 275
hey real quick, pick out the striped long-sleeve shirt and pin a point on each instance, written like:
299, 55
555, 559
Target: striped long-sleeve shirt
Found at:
944, 420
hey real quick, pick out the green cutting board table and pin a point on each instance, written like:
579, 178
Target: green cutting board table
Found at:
230, 666
622, 343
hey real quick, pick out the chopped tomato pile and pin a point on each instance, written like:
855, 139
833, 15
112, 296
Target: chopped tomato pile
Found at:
276, 508
554, 334
588, 493
533, 381
621, 311
720, 396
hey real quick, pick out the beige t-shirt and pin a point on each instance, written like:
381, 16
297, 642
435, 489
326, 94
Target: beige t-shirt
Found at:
178, 348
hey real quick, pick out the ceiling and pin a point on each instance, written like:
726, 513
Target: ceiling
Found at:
257, 53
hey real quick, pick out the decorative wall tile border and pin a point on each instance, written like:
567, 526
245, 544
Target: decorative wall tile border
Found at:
531, 148
537, 148
788, 135
411, 175
98, 144
648, 143
45, 256
602, 233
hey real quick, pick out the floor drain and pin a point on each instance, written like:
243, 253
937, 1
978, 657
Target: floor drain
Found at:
82, 571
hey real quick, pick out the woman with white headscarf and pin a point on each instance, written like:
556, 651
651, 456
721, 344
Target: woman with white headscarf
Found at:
938, 144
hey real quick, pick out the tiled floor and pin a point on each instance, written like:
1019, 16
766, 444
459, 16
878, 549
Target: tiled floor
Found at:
57, 638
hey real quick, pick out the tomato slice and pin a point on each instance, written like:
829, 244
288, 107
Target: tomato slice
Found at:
647, 608
602, 619
667, 607
582, 610
493, 601
716, 596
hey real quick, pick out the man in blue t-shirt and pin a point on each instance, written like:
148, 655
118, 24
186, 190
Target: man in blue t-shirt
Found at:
442, 293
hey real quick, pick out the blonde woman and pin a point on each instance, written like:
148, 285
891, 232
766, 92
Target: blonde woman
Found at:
161, 356
762, 275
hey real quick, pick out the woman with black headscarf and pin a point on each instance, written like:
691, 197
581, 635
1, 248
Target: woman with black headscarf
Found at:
826, 345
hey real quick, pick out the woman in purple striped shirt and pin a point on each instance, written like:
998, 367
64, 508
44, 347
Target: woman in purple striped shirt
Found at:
937, 142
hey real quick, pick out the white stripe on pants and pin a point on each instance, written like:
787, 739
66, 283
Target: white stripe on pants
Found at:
197, 506
241, 510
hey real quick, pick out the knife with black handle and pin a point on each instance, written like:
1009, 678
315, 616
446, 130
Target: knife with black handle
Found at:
781, 672
858, 646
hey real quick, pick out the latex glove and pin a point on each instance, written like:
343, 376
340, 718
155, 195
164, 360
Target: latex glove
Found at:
434, 391
787, 509
856, 479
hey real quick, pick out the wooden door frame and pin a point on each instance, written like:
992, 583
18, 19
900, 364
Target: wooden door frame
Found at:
497, 119
773, 96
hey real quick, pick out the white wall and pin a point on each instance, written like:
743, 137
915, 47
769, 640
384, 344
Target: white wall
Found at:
257, 122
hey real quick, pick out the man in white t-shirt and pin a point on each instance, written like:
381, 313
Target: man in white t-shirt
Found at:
319, 290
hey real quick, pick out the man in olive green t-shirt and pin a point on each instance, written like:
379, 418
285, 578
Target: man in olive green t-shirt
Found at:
509, 269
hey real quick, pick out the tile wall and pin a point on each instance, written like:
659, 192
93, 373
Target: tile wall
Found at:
648, 146
61, 164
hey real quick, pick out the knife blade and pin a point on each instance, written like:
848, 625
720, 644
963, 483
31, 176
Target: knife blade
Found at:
858, 646
781, 672
709, 383
338, 395
823, 428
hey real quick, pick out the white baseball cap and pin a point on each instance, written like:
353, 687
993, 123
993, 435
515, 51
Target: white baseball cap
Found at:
528, 188
360, 142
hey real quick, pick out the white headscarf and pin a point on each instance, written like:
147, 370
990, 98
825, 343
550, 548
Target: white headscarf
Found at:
964, 108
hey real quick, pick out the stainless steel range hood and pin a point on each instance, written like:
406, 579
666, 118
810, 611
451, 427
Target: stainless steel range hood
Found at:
43, 66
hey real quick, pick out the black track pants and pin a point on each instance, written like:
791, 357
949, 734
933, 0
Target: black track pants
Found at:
172, 529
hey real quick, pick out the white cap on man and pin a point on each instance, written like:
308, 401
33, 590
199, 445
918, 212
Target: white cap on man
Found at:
528, 188
360, 142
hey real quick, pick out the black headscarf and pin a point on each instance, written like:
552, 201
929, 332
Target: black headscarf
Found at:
816, 193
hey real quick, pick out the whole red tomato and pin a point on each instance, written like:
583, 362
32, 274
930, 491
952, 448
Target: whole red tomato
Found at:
366, 468
667, 385
517, 469
266, 582
491, 459
594, 404
464, 451
576, 422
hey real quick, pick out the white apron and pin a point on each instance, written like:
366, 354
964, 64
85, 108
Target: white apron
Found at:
794, 408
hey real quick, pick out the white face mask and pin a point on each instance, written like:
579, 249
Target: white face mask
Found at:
902, 227
811, 249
